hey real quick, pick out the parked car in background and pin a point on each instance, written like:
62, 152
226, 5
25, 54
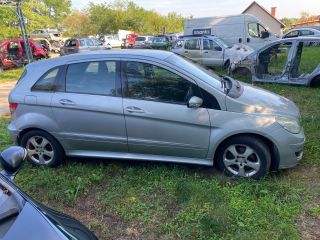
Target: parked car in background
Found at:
242, 28
129, 40
45, 43
210, 51
51, 34
111, 40
143, 42
301, 32
151, 105
78, 45
291, 61
161, 42
18, 210
12, 53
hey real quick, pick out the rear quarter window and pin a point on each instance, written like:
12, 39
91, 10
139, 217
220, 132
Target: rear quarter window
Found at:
48, 81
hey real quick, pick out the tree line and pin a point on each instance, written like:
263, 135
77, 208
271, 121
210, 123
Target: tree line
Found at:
110, 17
106, 18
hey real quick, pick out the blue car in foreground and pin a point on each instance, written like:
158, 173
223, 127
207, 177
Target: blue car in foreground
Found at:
21, 217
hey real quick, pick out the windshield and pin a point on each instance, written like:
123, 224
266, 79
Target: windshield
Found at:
159, 39
223, 43
140, 39
196, 70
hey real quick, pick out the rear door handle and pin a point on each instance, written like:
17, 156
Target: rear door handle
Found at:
66, 102
206, 52
132, 109
185, 51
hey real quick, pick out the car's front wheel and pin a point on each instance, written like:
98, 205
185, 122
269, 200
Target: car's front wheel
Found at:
244, 156
43, 149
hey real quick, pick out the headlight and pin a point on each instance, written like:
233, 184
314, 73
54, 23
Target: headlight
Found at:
290, 124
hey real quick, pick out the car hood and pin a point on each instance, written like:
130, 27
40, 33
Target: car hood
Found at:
254, 100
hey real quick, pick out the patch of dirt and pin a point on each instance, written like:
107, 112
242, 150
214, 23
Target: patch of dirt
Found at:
106, 226
309, 227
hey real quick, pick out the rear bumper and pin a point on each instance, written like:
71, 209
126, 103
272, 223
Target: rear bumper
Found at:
14, 133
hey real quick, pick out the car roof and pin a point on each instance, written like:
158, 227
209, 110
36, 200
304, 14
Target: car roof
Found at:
304, 28
156, 54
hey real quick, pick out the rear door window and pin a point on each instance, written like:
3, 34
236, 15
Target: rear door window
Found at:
192, 44
98, 78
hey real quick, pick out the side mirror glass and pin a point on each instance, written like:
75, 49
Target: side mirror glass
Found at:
12, 158
265, 34
195, 102
218, 48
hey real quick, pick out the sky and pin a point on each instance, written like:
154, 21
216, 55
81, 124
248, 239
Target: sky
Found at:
205, 8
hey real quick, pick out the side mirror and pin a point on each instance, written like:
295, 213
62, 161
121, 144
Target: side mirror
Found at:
218, 48
11, 160
195, 102
265, 34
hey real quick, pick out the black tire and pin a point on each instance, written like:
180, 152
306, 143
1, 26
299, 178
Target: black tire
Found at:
255, 165
40, 152
315, 83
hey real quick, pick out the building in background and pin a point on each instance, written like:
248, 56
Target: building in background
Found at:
267, 18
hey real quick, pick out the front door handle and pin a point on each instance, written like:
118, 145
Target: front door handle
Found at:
66, 102
206, 52
132, 109
185, 51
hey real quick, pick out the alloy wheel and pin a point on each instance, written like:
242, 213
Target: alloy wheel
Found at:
241, 160
40, 150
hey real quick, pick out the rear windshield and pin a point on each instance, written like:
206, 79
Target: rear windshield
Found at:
140, 38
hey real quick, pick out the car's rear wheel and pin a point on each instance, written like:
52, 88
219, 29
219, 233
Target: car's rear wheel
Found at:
43, 149
244, 156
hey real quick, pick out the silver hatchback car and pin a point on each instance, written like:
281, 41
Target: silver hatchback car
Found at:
151, 105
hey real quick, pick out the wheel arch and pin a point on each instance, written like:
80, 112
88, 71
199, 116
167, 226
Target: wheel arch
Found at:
274, 152
25, 131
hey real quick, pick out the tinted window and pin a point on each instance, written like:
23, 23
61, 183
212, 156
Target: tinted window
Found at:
71, 43
292, 34
306, 33
89, 42
210, 45
47, 81
140, 38
92, 78
150, 82
192, 44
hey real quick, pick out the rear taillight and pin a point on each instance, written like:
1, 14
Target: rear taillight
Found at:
78, 43
13, 107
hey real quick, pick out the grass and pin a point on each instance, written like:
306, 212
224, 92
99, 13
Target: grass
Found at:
10, 75
141, 200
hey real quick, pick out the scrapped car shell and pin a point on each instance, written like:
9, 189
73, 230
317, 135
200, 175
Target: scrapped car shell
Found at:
249, 63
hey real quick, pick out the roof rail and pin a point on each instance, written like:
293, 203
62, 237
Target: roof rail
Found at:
196, 35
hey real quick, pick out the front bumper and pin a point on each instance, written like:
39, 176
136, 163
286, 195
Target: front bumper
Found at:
290, 149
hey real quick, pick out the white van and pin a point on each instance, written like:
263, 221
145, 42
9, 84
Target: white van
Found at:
242, 28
